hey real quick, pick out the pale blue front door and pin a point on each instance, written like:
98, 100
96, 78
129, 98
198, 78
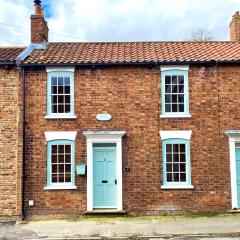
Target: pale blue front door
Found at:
238, 174
104, 176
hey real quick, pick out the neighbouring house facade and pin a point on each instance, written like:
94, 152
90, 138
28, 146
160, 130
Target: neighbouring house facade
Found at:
138, 127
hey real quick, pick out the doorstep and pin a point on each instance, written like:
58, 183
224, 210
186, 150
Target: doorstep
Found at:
104, 211
234, 210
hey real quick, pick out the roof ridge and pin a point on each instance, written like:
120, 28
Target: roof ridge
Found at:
127, 42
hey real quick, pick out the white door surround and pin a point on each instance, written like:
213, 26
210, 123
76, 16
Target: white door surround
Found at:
234, 137
104, 137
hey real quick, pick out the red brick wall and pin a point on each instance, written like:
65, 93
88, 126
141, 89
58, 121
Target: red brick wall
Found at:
132, 96
10, 144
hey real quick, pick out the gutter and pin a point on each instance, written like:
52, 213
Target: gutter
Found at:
7, 63
153, 63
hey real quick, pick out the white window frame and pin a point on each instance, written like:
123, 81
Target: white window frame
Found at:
58, 72
178, 70
60, 137
173, 137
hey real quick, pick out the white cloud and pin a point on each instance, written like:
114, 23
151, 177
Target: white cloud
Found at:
119, 20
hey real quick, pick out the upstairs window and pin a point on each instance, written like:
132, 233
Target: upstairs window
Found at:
175, 97
60, 94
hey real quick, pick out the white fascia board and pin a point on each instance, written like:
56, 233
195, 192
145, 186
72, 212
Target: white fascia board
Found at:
174, 67
175, 134
66, 135
60, 69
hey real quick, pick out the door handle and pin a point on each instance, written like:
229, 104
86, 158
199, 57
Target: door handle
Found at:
115, 181
104, 181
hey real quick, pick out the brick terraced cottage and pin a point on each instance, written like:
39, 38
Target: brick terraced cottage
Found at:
141, 127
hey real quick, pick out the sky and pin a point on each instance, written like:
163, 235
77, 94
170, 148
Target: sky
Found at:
117, 20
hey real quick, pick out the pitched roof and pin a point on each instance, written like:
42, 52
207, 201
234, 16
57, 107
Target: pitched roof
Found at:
135, 52
9, 54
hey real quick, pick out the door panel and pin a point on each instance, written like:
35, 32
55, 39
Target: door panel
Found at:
238, 174
104, 175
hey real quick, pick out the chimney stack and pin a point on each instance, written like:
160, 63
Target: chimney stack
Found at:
39, 27
235, 27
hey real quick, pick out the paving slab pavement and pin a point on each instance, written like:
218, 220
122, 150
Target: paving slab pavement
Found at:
124, 228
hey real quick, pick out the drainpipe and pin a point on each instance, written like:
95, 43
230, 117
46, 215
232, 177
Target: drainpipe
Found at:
23, 138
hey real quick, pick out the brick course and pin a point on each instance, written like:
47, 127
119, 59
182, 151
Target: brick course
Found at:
132, 96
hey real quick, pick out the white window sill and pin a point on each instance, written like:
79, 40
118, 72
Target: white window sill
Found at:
177, 187
60, 187
60, 117
175, 116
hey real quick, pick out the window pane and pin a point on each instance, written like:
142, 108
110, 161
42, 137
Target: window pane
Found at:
54, 149
182, 158
167, 98
181, 88
67, 81
54, 89
61, 108
67, 148
167, 88
182, 167
68, 178
182, 148
176, 148
67, 108
60, 81
174, 98
181, 98
54, 168
54, 81
181, 107
67, 89
169, 167
174, 79
60, 99
181, 79
175, 167
61, 177
167, 107
61, 168
60, 89
174, 88
54, 158
60, 148
54, 109
175, 157
67, 99
68, 158
174, 108
176, 177
169, 157
167, 79
68, 168
54, 99
169, 177
182, 177
54, 178
61, 158
169, 148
